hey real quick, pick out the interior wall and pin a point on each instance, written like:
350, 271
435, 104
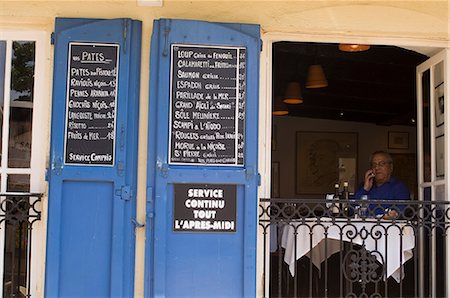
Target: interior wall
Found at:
370, 138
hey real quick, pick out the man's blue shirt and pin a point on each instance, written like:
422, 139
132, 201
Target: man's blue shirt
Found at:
390, 190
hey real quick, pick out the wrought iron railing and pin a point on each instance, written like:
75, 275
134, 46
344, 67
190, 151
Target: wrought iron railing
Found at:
314, 250
18, 213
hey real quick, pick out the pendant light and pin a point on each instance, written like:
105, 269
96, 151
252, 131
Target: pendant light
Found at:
345, 47
293, 94
316, 77
279, 107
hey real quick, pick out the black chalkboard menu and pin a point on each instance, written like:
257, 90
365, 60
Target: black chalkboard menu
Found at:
91, 104
207, 105
204, 208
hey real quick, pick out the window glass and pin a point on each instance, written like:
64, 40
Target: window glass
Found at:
2, 86
22, 71
440, 191
18, 183
19, 144
16, 236
426, 126
17, 69
21, 110
439, 86
427, 194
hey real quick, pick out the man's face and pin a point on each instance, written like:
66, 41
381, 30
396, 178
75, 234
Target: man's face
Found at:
382, 168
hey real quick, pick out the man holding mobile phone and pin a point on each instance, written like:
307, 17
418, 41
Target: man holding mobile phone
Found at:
380, 185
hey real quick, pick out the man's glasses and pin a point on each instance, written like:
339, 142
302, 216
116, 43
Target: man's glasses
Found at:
379, 164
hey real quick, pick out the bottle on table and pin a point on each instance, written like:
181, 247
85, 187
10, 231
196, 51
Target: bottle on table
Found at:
335, 204
363, 208
345, 197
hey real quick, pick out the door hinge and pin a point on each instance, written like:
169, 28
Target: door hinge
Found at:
261, 48
52, 38
124, 193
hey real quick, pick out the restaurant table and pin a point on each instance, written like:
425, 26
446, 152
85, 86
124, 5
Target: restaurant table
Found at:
394, 243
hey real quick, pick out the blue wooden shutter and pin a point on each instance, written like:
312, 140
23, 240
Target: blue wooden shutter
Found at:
194, 263
92, 173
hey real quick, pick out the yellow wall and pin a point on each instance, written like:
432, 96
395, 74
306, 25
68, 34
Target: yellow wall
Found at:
422, 19
426, 21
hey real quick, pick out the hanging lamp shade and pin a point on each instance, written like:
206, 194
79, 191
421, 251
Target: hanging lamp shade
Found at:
316, 77
345, 47
293, 94
279, 107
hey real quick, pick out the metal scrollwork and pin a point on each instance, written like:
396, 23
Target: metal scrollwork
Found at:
363, 267
19, 208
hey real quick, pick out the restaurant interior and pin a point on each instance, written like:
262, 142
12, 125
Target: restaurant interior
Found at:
323, 91
333, 105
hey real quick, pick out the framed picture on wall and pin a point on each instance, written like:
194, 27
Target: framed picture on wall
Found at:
323, 159
439, 104
398, 140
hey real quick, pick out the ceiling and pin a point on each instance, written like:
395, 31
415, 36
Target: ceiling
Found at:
375, 86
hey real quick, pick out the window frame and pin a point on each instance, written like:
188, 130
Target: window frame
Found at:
39, 148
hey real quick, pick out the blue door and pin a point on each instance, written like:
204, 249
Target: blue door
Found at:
202, 160
92, 172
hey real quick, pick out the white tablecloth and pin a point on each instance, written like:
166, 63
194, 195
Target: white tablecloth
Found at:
312, 235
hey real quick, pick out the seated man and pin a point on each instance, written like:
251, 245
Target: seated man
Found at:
380, 185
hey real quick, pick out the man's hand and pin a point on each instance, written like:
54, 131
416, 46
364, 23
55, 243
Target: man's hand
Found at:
368, 179
390, 214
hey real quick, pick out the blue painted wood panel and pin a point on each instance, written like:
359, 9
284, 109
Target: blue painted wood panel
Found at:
196, 264
86, 243
91, 240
